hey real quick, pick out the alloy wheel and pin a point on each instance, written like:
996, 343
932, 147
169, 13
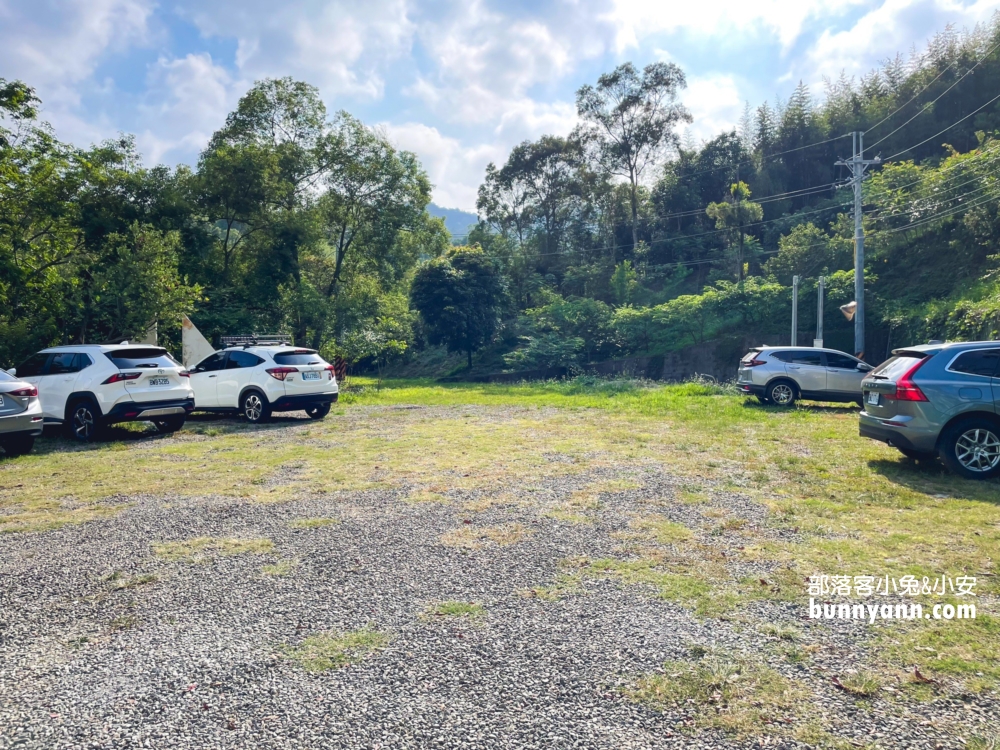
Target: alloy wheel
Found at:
978, 449
782, 394
83, 422
253, 408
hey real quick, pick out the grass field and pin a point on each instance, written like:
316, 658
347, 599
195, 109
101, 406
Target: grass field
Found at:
831, 503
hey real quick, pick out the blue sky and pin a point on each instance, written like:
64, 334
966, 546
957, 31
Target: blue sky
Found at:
458, 82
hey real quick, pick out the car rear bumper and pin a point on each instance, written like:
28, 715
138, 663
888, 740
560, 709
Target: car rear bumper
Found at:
26, 424
303, 401
134, 411
751, 388
915, 440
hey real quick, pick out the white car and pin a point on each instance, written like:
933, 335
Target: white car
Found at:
87, 387
20, 415
256, 380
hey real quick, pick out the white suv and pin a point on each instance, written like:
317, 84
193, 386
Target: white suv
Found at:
256, 380
87, 387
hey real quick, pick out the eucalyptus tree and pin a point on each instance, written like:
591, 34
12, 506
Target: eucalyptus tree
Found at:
631, 118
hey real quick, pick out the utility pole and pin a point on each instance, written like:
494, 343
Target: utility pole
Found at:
818, 343
795, 310
857, 164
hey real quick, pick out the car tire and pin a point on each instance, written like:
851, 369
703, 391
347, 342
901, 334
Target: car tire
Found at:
254, 407
319, 411
170, 424
918, 455
781, 393
83, 421
971, 448
18, 446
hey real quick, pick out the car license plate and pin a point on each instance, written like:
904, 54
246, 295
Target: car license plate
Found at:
311, 375
1, 400
159, 381
873, 397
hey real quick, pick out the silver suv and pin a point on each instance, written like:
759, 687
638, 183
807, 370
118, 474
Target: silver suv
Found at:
783, 374
938, 400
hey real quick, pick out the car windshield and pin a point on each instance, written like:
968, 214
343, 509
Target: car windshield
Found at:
298, 357
895, 367
126, 359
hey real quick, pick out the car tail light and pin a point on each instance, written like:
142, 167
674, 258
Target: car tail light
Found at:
331, 371
754, 362
25, 392
184, 374
280, 373
118, 377
906, 389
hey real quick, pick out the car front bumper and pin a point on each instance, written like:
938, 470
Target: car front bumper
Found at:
895, 435
303, 401
28, 423
138, 411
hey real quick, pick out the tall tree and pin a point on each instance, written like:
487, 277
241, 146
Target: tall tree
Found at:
733, 214
631, 118
460, 298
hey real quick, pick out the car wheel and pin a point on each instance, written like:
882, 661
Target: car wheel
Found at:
318, 412
19, 446
255, 408
917, 455
84, 423
172, 424
971, 448
781, 393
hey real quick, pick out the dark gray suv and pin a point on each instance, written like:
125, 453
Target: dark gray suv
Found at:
938, 400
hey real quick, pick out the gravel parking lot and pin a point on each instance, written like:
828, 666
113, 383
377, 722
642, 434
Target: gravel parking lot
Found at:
182, 620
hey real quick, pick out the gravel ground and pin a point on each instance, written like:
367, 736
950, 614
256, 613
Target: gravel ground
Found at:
198, 658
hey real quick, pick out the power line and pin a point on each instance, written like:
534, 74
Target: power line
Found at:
933, 101
942, 131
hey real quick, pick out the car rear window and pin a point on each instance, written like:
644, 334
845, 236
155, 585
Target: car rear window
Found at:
895, 367
134, 358
5, 376
299, 357
750, 355
978, 362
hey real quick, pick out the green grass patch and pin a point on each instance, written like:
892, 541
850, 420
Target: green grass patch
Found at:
456, 609
733, 695
313, 523
199, 549
324, 651
279, 569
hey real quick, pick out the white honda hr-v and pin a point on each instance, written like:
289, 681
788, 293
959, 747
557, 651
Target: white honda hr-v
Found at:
256, 380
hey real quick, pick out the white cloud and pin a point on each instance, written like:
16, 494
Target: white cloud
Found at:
895, 26
187, 100
343, 47
56, 47
455, 169
715, 104
635, 20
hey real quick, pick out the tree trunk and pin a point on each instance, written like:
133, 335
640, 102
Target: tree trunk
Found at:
635, 215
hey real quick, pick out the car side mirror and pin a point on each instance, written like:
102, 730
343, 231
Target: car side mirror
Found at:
864, 367
12, 371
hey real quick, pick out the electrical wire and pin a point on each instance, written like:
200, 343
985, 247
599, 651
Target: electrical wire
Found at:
933, 101
888, 159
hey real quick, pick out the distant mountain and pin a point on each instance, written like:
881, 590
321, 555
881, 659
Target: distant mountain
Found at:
457, 222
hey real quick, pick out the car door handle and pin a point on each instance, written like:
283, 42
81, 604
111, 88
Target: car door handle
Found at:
211, 376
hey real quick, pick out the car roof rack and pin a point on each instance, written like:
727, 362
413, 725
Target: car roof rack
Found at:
256, 339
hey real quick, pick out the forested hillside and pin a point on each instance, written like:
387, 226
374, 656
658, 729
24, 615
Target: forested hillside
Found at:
615, 239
